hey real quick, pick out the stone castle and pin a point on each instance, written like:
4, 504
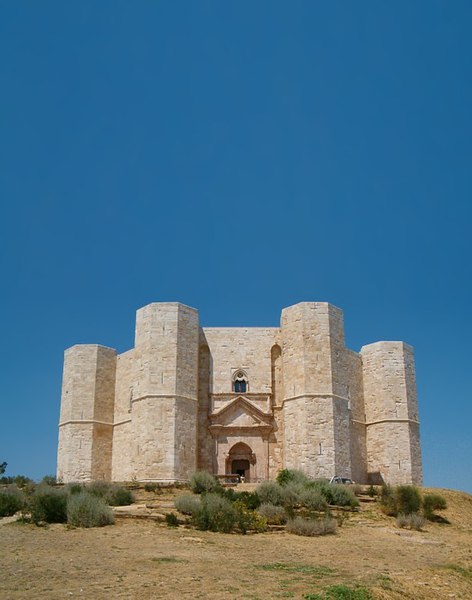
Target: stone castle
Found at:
239, 400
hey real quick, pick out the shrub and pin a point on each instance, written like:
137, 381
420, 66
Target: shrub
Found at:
19, 480
408, 499
275, 515
172, 520
432, 502
215, 513
312, 527
324, 488
291, 495
249, 519
388, 503
270, 492
187, 504
313, 499
341, 495
250, 499
74, 488
49, 480
372, 492
151, 487
118, 496
48, 505
286, 476
12, 499
202, 482
99, 488
411, 521
88, 510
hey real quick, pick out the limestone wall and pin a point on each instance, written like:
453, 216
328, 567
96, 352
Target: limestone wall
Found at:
234, 348
165, 392
205, 444
316, 415
392, 436
124, 447
87, 413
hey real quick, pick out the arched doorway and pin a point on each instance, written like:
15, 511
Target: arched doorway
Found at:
239, 461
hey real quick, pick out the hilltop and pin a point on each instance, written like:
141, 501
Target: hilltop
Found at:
142, 558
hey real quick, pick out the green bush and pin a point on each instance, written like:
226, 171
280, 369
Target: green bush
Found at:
49, 480
74, 488
12, 499
88, 510
99, 488
342, 495
118, 496
372, 492
250, 499
216, 513
313, 499
411, 521
432, 502
18, 480
249, 519
312, 527
151, 487
270, 492
187, 504
48, 505
408, 499
171, 520
202, 482
388, 501
275, 515
291, 495
286, 476
323, 487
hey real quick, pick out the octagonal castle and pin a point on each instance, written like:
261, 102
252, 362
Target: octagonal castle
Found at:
239, 400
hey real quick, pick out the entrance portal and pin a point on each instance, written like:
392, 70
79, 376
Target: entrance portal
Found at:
240, 467
239, 461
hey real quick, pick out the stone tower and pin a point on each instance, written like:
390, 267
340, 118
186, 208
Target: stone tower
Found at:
316, 411
86, 420
391, 409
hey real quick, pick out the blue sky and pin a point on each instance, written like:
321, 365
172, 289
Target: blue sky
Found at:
237, 157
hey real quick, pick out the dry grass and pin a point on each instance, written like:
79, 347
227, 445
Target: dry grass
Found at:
141, 559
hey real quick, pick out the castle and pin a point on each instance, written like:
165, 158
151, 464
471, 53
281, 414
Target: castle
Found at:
239, 400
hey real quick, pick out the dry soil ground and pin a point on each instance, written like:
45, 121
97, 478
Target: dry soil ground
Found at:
142, 559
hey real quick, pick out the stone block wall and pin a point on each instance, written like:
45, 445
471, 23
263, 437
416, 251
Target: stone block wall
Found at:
165, 392
316, 417
87, 413
392, 428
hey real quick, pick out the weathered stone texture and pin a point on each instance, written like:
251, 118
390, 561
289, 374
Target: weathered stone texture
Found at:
392, 437
87, 413
251, 400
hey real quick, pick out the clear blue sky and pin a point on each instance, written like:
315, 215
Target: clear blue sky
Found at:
238, 157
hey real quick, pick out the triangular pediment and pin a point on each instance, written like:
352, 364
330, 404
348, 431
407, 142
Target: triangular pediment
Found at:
241, 412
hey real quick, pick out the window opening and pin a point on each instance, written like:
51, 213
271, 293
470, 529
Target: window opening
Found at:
240, 383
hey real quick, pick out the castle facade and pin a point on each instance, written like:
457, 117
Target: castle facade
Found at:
239, 400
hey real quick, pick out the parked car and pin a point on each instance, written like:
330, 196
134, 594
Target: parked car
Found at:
343, 480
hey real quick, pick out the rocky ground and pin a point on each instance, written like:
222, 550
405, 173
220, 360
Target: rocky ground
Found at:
142, 558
